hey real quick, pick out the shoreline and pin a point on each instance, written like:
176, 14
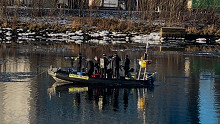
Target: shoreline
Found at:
92, 24
104, 31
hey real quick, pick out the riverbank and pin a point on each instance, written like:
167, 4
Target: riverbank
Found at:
71, 24
68, 23
103, 31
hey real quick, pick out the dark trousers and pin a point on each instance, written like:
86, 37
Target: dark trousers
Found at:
97, 70
103, 72
90, 73
116, 73
126, 72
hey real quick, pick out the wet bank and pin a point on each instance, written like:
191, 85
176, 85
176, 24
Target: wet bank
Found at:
98, 30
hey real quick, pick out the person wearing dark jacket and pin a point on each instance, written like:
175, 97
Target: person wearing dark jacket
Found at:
104, 64
116, 65
97, 65
90, 68
79, 62
127, 65
110, 67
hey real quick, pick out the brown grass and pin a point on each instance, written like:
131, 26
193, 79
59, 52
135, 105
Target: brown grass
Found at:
209, 30
108, 24
5, 24
217, 33
192, 30
78, 22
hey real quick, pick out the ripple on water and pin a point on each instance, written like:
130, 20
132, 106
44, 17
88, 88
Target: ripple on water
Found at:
16, 77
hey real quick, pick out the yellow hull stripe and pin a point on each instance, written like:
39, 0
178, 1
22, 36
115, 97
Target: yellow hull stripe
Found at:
78, 76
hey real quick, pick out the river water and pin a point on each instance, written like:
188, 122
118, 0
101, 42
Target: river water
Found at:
187, 88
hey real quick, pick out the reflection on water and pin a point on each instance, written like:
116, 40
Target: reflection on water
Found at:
103, 98
16, 91
187, 88
16, 104
206, 100
187, 67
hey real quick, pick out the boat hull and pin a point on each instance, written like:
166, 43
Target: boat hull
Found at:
61, 76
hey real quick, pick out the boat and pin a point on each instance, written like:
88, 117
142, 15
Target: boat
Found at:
143, 78
74, 77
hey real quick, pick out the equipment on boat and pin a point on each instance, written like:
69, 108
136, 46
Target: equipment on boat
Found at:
143, 62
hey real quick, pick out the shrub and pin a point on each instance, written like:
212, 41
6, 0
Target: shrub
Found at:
217, 33
78, 22
209, 30
192, 30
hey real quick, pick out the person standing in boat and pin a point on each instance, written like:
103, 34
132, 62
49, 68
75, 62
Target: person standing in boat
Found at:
104, 64
79, 62
90, 67
97, 65
126, 65
116, 64
110, 67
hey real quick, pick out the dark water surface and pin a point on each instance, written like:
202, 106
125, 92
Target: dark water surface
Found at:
187, 89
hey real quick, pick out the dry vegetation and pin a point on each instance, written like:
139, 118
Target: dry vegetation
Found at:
172, 12
102, 24
211, 30
114, 24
